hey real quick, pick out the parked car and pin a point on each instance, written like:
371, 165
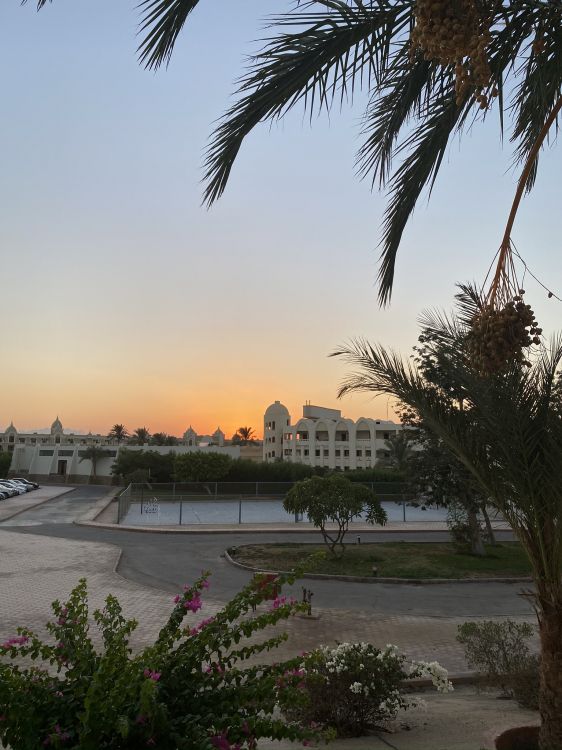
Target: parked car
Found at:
28, 482
21, 483
18, 485
11, 491
4, 495
13, 487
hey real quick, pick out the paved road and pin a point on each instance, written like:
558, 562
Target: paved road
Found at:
60, 510
167, 561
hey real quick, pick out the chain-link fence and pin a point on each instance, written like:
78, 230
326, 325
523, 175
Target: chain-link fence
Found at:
192, 503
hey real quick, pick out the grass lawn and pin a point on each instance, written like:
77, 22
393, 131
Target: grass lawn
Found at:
392, 559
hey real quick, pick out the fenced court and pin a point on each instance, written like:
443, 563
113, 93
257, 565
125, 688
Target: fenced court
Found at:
180, 504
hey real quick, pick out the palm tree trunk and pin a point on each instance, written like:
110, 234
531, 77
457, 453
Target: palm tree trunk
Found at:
476, 543
489, 530
550, 705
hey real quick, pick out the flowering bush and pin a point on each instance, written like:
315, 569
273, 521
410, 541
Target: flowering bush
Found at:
190, 689
356, 686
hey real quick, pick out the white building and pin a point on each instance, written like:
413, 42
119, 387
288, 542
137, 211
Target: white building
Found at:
322, 437
59, 456
11, 438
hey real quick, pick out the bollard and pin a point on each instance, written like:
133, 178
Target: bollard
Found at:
358, 540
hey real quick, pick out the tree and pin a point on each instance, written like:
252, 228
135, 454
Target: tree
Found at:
244, 435
141, 436
200, 466
5, 463
438, 476
118, 432
507, 431
427, 72
94, 454
162, 438
399, 449
135, 465
333, 499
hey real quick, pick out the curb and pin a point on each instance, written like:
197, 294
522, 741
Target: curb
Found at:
89, 518
245, 529
365, 579
36, 505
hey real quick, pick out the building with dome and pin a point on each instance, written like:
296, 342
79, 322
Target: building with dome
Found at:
56, 455
322, 437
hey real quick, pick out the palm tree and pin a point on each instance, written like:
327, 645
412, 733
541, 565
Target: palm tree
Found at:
399, 450
94, 454
159, 438
245, 435
118, 432
419, 95
507, 430
141, 435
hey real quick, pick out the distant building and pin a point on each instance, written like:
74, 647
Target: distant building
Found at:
59, 456
10, 438
191, 438
322, 437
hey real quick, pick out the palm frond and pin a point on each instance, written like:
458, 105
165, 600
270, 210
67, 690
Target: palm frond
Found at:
161, 22
539, 89
425, 148
324, 55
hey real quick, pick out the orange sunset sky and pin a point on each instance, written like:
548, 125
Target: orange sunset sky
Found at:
124, 301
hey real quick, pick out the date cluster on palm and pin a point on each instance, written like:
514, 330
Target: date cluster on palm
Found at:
456, 32
501, 336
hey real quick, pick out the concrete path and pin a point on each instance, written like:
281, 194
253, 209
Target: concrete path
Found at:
66, 504
16, 506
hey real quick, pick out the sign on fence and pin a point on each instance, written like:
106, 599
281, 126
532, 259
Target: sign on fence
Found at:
151, 506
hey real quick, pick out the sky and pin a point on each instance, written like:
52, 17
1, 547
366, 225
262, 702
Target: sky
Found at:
125, 301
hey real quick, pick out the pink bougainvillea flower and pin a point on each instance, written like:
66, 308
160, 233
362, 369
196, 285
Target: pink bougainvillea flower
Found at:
176, 598
205, 584
194, 604
221, 742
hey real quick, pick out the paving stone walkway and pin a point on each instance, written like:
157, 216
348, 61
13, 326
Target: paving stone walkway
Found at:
35, 570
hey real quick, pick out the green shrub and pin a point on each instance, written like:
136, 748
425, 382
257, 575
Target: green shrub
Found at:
525, 683
158, 466
5, 463
498, 650
200, 466
189, 690
356, 687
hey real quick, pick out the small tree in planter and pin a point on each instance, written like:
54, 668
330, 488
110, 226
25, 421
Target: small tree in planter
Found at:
335, 500
190, 689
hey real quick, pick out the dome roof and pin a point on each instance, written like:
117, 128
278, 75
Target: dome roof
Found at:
277, 409
56, 426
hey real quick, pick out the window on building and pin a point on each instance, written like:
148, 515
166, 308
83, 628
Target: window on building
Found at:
21, 440
66, 453
273, 439
11, 439
346, 453
317, 452
386, 435
298, 452
11, 448
46, 453
338, 452
306, 451
359, 454
346, 468
326, 452
33, 440
273, 425
368, 453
